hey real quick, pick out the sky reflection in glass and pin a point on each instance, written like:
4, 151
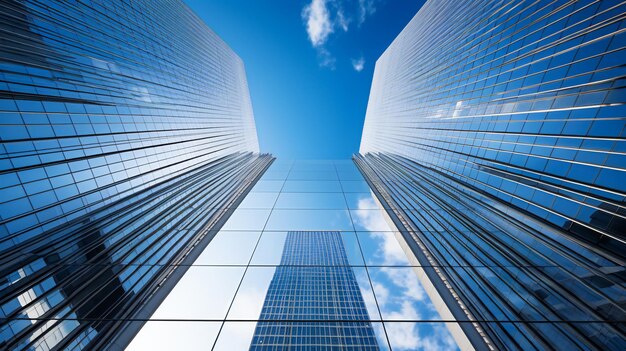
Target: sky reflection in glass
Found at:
304, 196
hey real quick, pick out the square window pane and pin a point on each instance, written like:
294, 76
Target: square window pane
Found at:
197, 296
229, 248
258, 200
246, 219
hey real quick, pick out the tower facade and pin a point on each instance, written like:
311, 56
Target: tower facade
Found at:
126, 138
314, 282
495, 136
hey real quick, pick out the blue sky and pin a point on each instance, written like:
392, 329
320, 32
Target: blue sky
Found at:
302, 60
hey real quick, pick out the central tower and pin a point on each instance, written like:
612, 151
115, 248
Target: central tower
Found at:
314, 282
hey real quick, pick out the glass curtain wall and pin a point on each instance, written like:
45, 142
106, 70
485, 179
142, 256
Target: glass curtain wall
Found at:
306, 261
495, 135
126, 133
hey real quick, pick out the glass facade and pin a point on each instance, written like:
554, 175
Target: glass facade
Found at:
314, 282
126, 137
495, 138
306, 262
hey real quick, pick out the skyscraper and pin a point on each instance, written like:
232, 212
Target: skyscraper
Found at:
127, 137
314, 282
136, 210
306, 262
495, 137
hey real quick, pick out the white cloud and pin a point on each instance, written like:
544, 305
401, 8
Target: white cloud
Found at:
403, 336
407, 312
382, 293
318, 23
406, 279
322, 18
358, 64
407, 336
368, 218
440, 340
389, 249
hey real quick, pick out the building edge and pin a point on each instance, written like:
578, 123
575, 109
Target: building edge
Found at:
120, 335
466, 332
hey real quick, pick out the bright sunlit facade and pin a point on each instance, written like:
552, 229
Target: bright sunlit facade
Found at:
495, 137
126, 135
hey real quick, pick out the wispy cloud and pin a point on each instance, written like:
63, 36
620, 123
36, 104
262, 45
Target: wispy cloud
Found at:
342, 21
366, 9
439, 340
326, 59
403, 336
406, 281
389, 249
318, 23
322, 18
382, 293
369, 219
358, 64
419, 336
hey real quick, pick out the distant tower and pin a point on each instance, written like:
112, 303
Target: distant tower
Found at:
314, 282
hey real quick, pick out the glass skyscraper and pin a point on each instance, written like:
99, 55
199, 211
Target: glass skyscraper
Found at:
495, 138
126, 136
306, 262
303, 288
484, 211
